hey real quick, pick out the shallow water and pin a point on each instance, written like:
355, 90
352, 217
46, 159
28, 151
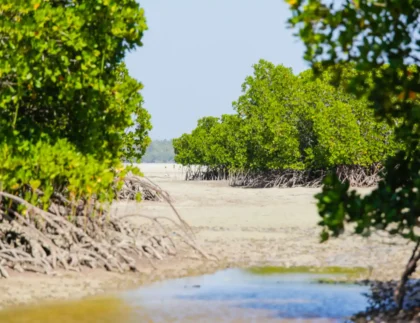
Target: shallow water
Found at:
242, 295
232, 295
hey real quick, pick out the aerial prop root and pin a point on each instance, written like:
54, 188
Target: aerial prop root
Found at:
42, 241
357, 176
134, 184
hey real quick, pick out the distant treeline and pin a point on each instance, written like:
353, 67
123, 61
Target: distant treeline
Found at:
159, 151
291, 124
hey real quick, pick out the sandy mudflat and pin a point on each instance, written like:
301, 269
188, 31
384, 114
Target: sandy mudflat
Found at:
241, 226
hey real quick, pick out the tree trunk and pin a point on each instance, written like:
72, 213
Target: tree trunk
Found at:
409, 270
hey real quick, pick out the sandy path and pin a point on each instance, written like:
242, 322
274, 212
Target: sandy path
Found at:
241, 226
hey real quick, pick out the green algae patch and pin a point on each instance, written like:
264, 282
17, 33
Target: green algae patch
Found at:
106, 310
271, 270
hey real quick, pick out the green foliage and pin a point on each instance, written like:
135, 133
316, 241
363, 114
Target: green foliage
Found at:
69, 111
159, 151
267, 107
60, 71
380, 41
215, 142
285, 121
53, 168
129, 101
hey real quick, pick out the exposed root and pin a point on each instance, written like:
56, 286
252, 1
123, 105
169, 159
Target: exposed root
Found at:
135, 186
186, 238
149, 190
206, 173
356, 175
33, 239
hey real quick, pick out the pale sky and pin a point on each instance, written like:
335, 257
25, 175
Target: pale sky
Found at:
197, 53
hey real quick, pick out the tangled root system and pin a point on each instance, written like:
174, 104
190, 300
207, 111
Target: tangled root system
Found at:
357, 176
70, 237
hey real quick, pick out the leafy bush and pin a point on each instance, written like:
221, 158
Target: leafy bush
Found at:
69, 111
36, 171
289, 122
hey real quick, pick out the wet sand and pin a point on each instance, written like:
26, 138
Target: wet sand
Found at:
242, 227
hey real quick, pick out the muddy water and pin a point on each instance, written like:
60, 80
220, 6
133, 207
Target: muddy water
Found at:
232, 295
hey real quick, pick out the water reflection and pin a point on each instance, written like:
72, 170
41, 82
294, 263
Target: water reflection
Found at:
243, 295
227, 296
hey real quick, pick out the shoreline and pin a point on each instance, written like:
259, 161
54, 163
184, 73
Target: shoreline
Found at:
27, 289
22, 291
